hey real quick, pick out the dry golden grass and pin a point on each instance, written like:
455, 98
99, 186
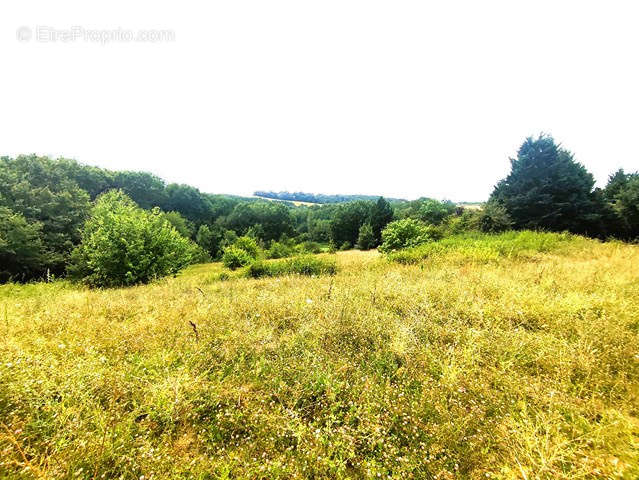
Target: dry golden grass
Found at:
519, 368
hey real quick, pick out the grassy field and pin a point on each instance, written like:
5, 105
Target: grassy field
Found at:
455, 363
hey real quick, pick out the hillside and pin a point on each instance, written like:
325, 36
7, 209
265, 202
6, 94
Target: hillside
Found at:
462, 364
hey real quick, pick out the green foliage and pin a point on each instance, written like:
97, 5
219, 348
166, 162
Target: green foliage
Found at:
546, 189
468, 221
211, 239
309, 247
617, 182
181, 224
22, 253
627, 206
274, 219
433, 211
366, 239
380, 216
320, 230
124, 245
494, 218
235, 257
248, 244
279, 250
345, 246
347, 221
300, 265
144, 188
407, 232
36, 188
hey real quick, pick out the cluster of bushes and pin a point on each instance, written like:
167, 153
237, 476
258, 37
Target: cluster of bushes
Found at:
300, 265
281, 258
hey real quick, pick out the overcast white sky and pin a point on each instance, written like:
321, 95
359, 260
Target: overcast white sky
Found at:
399, 98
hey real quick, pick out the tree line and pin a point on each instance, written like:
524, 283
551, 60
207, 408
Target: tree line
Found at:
316, 197
50, 212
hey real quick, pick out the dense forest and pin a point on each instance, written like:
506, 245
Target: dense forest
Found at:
317, 197
53, 210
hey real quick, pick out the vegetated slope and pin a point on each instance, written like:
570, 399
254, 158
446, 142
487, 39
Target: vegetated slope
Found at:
523, 366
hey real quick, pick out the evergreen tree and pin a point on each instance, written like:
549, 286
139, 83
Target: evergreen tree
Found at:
381, 215
547, 189
366, 238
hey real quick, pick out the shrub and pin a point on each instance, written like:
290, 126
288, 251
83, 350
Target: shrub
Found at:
235, 257
125, 245
345, 246
407, 233
494, 218
249, 245
366, 238
301, 265
279, 250
309, 247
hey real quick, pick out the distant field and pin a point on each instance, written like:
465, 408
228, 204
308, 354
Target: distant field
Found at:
294, 202
471, 360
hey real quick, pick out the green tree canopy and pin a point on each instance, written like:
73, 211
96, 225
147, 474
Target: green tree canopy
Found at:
547, 189
123, 245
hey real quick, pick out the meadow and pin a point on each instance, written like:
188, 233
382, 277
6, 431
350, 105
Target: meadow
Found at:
477, 357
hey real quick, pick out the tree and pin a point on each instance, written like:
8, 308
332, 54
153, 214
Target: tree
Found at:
347, 221
616, 183
366, 239
22, 252
380, 216
627, 205
181, 224
37, 189
274, 217
210, 238
435, 212
123, 245
144, 188
189, 202
547, 189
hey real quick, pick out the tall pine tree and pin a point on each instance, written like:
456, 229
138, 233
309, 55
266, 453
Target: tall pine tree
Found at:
548, 190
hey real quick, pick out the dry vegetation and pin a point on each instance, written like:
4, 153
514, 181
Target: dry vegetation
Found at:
461, 367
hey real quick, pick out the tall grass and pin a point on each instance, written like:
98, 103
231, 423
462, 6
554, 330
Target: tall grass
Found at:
526, 367
481, 247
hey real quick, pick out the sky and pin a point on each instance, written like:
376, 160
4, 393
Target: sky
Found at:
396, 98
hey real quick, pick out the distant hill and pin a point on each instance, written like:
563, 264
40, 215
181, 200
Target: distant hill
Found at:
318, 197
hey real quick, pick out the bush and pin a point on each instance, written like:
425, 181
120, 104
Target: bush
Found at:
345, 246
301, 265
494, 218
366, 238
235, 257
309, 247
124, 245
249, 245
407, 233
279, 250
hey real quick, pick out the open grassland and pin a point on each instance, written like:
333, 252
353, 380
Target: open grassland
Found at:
463, 364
